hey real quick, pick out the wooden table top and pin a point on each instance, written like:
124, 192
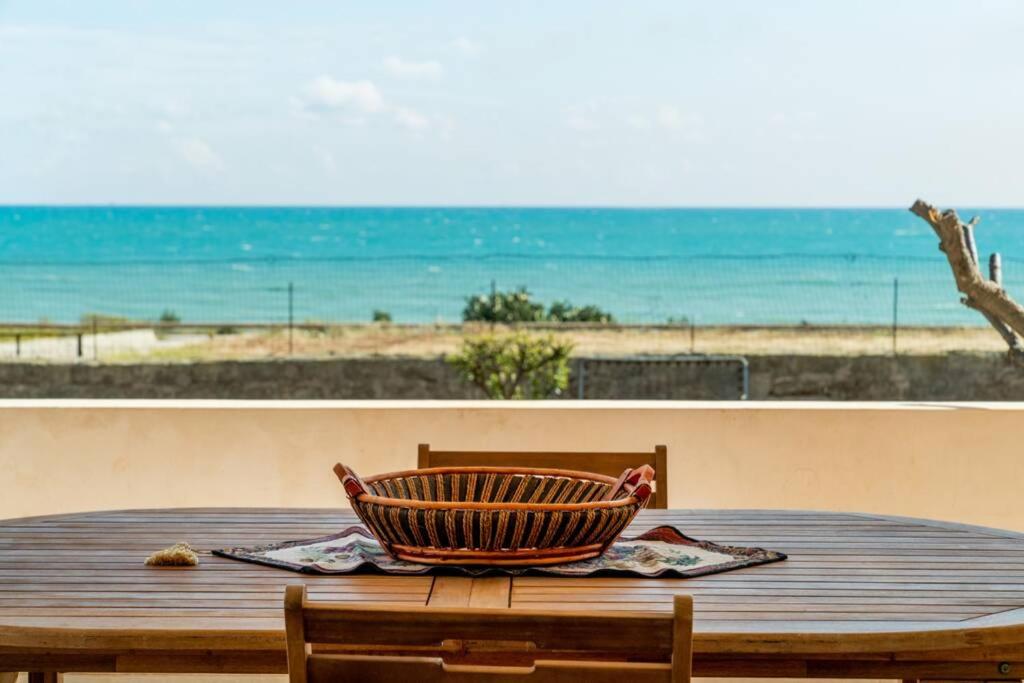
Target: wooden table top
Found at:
860, 582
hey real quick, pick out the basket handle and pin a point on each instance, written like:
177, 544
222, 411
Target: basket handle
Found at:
641, 480
614, 490
354, 486
637, 482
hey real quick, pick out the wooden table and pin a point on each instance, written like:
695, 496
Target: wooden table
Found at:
861, 596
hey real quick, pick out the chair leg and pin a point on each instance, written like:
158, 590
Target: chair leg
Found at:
45, 677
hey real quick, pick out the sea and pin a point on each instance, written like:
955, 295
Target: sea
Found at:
419, 265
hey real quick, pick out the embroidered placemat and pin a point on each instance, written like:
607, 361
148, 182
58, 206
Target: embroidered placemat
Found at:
662, 551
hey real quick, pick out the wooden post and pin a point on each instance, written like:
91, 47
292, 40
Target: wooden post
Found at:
45, 677
494, 300
295, 630
995, 269
895, 311
291, 316
80, 343
17, 346
682, 639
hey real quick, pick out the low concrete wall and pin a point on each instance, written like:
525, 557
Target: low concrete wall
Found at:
953, 462
952, 377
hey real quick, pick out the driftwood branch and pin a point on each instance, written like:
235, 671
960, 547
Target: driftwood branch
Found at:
985, 295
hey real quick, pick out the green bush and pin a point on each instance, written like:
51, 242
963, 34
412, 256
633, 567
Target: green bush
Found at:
515, 366
380, 316
565, 312
517, 306
169, 317
503, 307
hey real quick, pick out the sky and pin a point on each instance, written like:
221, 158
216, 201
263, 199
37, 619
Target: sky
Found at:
676, 103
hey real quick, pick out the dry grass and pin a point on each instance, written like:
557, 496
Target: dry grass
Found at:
430, 341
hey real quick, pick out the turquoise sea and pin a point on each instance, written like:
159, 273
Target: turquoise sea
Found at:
738, 266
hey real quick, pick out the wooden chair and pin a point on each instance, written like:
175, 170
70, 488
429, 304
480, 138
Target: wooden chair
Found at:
608, 463
319, 632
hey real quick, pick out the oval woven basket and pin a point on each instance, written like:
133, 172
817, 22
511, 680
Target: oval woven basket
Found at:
496, 515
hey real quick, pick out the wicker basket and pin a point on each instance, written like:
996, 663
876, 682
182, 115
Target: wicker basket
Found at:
496, 515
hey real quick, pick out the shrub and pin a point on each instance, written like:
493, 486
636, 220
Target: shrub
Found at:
565, 312
380, 316
516, 306
515, 366
503, 307
169, 317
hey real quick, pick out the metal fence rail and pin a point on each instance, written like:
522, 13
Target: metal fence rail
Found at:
677, 377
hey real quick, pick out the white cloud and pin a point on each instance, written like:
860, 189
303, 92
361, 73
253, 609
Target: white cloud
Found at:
327, 160
410, 118
639, 121
400, 68
680, 124
347, 97
582, 118
354, 102
198, 153
670, 117
466, 47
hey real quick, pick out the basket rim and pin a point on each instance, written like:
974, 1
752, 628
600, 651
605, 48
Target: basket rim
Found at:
389, 501
551, 471
510, 507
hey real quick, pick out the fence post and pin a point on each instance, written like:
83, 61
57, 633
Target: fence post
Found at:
291, 317
895, 311
693, 336
581, 379
494, 300
80, 333
17, 346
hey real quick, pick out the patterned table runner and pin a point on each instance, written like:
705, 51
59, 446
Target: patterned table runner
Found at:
663, 551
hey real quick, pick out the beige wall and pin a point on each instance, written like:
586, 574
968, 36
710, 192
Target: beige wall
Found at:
953, 462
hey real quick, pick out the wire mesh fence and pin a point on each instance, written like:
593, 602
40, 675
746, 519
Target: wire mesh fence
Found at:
89, 310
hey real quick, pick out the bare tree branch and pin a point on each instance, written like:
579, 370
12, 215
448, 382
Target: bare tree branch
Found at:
987, 296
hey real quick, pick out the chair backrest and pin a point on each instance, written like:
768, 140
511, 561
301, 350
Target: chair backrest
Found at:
608, 463
335, 642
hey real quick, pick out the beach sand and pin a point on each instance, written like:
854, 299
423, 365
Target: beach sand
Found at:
361, 341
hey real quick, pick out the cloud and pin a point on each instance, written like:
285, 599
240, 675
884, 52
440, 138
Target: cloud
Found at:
326, 159
400, 68
670, 117
347, 97
465, 47
639, 122
582, 118
678, 123
198, 153
354, 102
410, 118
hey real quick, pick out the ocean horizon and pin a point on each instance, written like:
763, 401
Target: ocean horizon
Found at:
784, 266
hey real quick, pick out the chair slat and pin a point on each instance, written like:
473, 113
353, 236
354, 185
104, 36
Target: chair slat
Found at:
663, 642
651, 632
368, 669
